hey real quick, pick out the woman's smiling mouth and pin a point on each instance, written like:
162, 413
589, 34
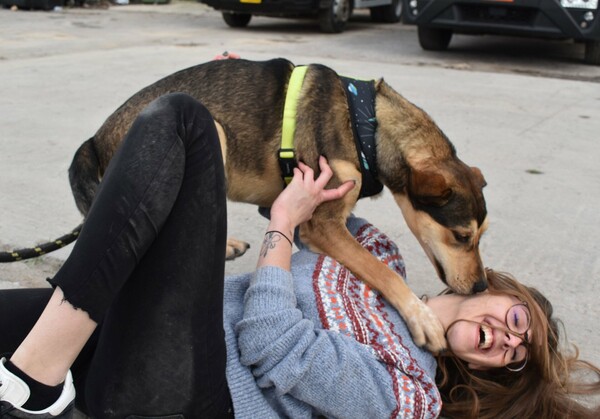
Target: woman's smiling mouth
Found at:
486, 337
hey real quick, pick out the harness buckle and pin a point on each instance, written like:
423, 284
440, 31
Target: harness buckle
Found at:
287, 162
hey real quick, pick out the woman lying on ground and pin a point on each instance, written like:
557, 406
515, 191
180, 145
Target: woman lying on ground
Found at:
301, 337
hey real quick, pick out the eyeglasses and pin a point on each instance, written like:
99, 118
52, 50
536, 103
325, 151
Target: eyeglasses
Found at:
518, 321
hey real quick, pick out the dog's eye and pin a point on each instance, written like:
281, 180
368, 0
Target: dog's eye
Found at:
461, 237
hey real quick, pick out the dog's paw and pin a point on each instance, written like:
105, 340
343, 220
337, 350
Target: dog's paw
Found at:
235, 248
424, 325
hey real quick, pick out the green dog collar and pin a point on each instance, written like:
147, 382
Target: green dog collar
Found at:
287, 157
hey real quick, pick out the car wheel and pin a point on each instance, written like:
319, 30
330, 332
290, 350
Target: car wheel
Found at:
237, 20
333, 18
390, 13
433, 39
592, 52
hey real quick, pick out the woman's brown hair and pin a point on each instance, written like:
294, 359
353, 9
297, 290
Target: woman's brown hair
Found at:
543, 389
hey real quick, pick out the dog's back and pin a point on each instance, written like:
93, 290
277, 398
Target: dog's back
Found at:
245, 97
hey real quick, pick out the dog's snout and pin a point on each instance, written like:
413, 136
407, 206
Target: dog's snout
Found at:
480, 286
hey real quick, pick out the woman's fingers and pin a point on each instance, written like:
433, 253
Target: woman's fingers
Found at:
324, 176
298, 175
321, 181
326, 173
337, 193
309, 174
304, 194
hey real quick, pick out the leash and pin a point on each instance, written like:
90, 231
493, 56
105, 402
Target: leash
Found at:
42, 249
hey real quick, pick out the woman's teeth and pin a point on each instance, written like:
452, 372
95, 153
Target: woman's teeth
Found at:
486, 337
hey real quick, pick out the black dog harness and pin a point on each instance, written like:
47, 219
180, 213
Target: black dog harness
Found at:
361, 102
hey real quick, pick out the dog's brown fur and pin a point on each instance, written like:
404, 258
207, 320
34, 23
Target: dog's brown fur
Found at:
440, 197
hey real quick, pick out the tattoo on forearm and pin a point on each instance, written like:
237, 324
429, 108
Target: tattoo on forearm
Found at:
269, 242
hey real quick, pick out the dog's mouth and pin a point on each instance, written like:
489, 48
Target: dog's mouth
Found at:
486, 337
440, 271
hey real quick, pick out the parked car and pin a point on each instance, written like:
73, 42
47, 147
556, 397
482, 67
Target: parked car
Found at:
332, 14
437, 20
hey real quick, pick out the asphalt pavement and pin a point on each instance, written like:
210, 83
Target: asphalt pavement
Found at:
530, 121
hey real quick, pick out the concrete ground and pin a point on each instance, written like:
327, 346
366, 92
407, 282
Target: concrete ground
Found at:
531, 128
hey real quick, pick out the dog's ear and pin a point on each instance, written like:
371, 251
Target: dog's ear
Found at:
478, 177
428, 187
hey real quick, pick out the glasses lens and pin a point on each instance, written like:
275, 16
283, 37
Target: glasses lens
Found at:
518, 318
518, 360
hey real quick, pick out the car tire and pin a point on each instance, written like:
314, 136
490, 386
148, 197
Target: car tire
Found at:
390, 13
237, 20
333, 18
592, 52
434, 39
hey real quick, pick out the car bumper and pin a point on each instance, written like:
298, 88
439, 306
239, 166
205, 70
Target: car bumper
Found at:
538, 18
266, 7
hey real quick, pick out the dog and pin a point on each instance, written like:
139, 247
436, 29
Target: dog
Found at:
440, 197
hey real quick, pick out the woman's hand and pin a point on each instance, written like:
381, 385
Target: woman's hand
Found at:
304, 194
294, 206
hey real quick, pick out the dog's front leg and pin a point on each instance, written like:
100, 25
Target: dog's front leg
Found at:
333, 238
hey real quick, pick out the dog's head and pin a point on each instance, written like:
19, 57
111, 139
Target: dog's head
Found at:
441, 197
444, 207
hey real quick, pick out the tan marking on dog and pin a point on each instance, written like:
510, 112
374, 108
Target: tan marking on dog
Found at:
344, 171
222, 141
246, 187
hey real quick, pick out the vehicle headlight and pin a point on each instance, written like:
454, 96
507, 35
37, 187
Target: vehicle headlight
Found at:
579, 4
414, 7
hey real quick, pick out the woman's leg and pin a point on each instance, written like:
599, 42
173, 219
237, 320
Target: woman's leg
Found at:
168, 356
164, 191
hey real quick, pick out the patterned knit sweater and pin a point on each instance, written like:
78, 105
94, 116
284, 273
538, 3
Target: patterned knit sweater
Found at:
317, 341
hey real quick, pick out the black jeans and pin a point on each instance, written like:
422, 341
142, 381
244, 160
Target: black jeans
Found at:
149, 267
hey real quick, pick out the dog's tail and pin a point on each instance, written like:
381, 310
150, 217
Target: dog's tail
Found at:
84, 175
39, 250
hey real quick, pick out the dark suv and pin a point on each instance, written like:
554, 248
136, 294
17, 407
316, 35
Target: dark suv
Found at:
437, 20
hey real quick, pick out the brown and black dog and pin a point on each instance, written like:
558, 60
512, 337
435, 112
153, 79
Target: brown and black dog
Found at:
439, 195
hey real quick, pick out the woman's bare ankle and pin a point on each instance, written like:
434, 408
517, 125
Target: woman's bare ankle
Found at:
54, 342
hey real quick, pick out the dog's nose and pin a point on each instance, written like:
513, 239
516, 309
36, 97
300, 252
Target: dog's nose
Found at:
480, 286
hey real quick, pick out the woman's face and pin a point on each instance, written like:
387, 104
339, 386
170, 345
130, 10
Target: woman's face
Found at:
480, 336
